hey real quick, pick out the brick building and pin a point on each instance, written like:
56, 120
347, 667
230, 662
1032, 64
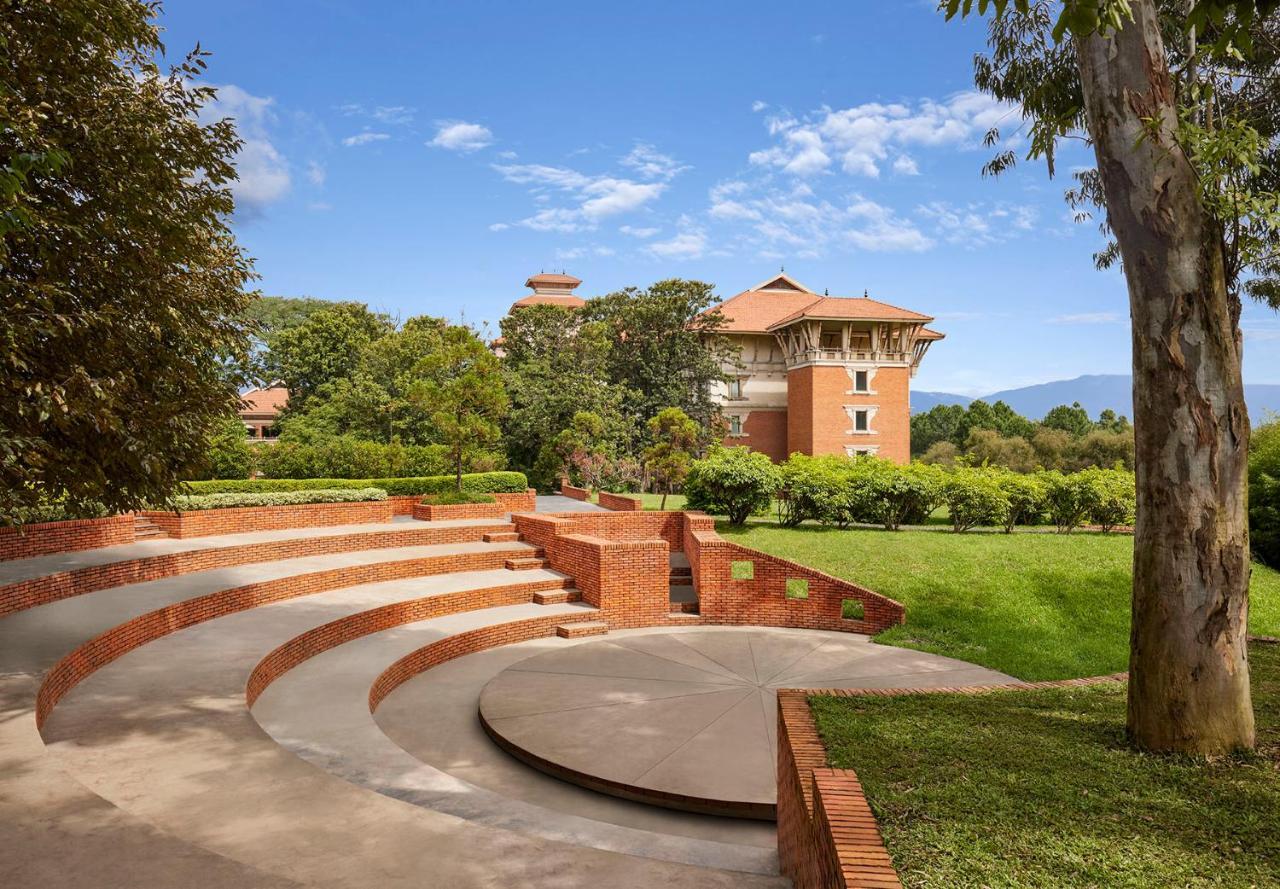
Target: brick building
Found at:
261, 409
820, 374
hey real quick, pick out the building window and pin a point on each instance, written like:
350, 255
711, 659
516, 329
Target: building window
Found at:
860, 419
861, 382
868, 451
735, 387
861, 422
735, 425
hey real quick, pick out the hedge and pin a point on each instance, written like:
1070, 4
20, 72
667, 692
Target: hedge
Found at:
475, 483
350, 458
192, 503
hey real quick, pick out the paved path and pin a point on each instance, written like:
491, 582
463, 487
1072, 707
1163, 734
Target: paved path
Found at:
561, 503
690, 713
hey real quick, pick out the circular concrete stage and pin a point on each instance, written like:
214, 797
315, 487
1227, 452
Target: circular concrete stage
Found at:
687, 719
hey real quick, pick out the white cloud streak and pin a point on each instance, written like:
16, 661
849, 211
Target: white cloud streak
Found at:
460, 135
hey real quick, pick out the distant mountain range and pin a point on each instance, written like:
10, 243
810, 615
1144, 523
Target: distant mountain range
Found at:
1095, 392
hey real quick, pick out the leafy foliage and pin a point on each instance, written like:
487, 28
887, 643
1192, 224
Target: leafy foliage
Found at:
733, 482
124, 286
229, 454
347, 457
1264, 493
666, 461
975, 496
194, 502
477, 483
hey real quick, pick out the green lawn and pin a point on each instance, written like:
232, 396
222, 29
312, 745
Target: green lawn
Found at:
1032, 604
1037, 789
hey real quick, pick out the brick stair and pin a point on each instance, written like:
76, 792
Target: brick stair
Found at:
684, 600
525, 563
145, 529
581, 630
557, 597
501, 537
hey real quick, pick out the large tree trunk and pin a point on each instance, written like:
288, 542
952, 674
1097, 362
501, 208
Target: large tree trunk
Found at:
1188, 667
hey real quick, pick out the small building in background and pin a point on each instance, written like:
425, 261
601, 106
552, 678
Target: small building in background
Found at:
551, 289
261, 409
820, 374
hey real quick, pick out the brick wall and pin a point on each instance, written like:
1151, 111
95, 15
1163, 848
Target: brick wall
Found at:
621, 502
402, 504
338, 632
207, 522
120, 640
524, 501
818, 424
827, 834
569, 490
64, 584
764, 431
59, 537
762, 599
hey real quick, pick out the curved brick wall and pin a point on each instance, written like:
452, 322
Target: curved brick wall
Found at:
525, 501
576, 493
338, 632
45, 538
470, 642
207, 522
620, 502
65, 584
119, 640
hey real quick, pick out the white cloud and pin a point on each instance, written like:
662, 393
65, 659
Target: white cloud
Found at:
905, 166
977, 224
316, 174
319, 206
365, 138
396, 115
690, 243
757, 106
862, 137
876, 228
638, 231
459, 135
594, 197
1088, 318
652, 164
262, 171
499, 227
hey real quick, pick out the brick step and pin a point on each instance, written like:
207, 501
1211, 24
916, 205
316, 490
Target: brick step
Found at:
557, 597
580, 630
687, 607
680, 580
684, 615
525, 563
500, 537
145, 529
681, 571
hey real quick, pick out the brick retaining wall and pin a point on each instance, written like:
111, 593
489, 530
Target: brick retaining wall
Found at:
237, 520
621, 502
523, 501
569, 490
45, 538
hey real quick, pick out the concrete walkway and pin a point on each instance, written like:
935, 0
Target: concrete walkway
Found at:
561, 503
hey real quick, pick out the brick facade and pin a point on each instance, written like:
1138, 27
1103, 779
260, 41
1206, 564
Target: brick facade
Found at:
209, 522
765, 431
573, 491
44, 538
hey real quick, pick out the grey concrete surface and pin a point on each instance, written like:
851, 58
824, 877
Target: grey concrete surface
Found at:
561, 503
691, 712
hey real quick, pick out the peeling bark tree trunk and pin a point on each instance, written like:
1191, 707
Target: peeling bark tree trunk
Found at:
1189, 675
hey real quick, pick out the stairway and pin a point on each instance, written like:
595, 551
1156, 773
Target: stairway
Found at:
145, 529
683, 596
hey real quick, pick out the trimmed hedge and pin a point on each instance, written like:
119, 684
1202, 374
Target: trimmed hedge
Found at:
350, 458
193, 503
474, 483
453, 498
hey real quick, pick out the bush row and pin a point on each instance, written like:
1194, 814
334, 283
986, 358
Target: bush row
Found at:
350, 458
843, 491
1264, 493
475, 483
193, 502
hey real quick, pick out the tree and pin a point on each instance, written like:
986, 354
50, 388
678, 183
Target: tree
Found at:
325, 348
1264, 492
583, 450
733, 482
123, 285
229, 453
974, 496
1073, 420
1173, 194
942, 422
461, 383
665, 348
989, 446
675, 436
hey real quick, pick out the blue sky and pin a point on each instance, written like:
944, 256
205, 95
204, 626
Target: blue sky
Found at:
428, 157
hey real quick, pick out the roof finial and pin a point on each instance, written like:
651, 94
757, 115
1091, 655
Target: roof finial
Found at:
826, 292
864, 293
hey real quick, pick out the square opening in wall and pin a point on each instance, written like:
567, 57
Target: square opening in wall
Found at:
851, 609
797, 588
742, 570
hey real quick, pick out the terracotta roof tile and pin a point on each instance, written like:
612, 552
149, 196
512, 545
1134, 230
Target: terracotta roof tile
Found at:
264, 401
856, 308
543, 299
552, 278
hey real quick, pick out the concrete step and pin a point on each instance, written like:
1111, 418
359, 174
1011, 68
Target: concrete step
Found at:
525, 563
580, 630
557, 597
500, 537
685, 615
681, 571
681, 580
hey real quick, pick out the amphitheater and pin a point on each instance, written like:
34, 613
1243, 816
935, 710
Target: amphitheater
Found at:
559, 695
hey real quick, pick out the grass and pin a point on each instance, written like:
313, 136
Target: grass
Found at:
1035, 605
1038, 788
653, 501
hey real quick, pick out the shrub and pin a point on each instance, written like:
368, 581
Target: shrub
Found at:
1264, 493
1025, 494
476, 483
453, 497
897, 495
733, 482
974, 496
350, 458
1115, 497
230, 455
815, 488
1068, 498
58, 511
194, 502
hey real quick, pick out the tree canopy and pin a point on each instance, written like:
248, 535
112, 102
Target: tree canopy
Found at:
123, 285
